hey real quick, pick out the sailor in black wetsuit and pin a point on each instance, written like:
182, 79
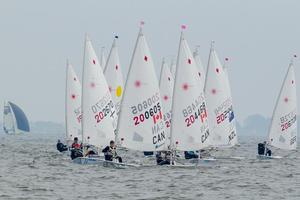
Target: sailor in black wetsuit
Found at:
263, 149
163, 158
110, 152
61, 147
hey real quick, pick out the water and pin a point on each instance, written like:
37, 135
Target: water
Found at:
31, 168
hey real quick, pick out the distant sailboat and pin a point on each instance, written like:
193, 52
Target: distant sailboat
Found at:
98, 110
219, 102
102, 58
166, 85
173, 67
283, 128
113, 74
73, 105
189, 127
141, 125
14, 119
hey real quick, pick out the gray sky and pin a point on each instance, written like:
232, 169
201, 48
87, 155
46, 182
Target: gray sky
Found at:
37, 36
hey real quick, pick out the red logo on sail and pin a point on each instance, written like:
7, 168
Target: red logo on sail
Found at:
157, 117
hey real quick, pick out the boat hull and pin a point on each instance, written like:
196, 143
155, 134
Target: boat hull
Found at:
100, 161
264, 157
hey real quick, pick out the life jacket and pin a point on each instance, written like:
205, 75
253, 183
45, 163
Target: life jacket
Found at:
76, 145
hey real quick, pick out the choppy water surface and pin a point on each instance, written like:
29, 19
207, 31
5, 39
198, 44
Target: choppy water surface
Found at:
31, 168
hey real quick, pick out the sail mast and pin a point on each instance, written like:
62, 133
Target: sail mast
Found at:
83, 63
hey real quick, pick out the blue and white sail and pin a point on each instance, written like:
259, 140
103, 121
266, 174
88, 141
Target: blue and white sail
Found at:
14, 119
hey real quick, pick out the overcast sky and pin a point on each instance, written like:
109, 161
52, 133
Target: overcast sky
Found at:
37, 36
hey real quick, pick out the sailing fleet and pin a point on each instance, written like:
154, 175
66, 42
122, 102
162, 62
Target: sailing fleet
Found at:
186, 109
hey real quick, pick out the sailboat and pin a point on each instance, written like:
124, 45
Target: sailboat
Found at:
98, 110
14, 119
73, 112
283, 128
113, 74
219, 103
166, 85
189, 127
140, 124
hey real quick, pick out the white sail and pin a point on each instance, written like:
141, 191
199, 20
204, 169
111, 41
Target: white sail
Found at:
114, 77
189, 127
283, 128
166, 85
219, 103
98, 110
73, 105
102, 58
173, 67
141, 126
14, 119
200, 68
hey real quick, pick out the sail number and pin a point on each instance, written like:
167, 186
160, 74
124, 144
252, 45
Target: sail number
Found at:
200, 113
288, 124
105, 111
147, 114
145, 104
224, 115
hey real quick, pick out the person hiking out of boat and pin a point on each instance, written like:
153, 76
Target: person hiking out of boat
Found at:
90, 151
75, 144
61, 147
190, 155
268, 151
110, 152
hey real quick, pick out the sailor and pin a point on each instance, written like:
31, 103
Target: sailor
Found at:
110, 152
76, 149
268, 151
75, 144
61, 147
190, 155
163, 157
90, 151
263, 149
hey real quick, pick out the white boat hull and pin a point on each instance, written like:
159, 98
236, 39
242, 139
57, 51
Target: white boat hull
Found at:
264, 157
101, 161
